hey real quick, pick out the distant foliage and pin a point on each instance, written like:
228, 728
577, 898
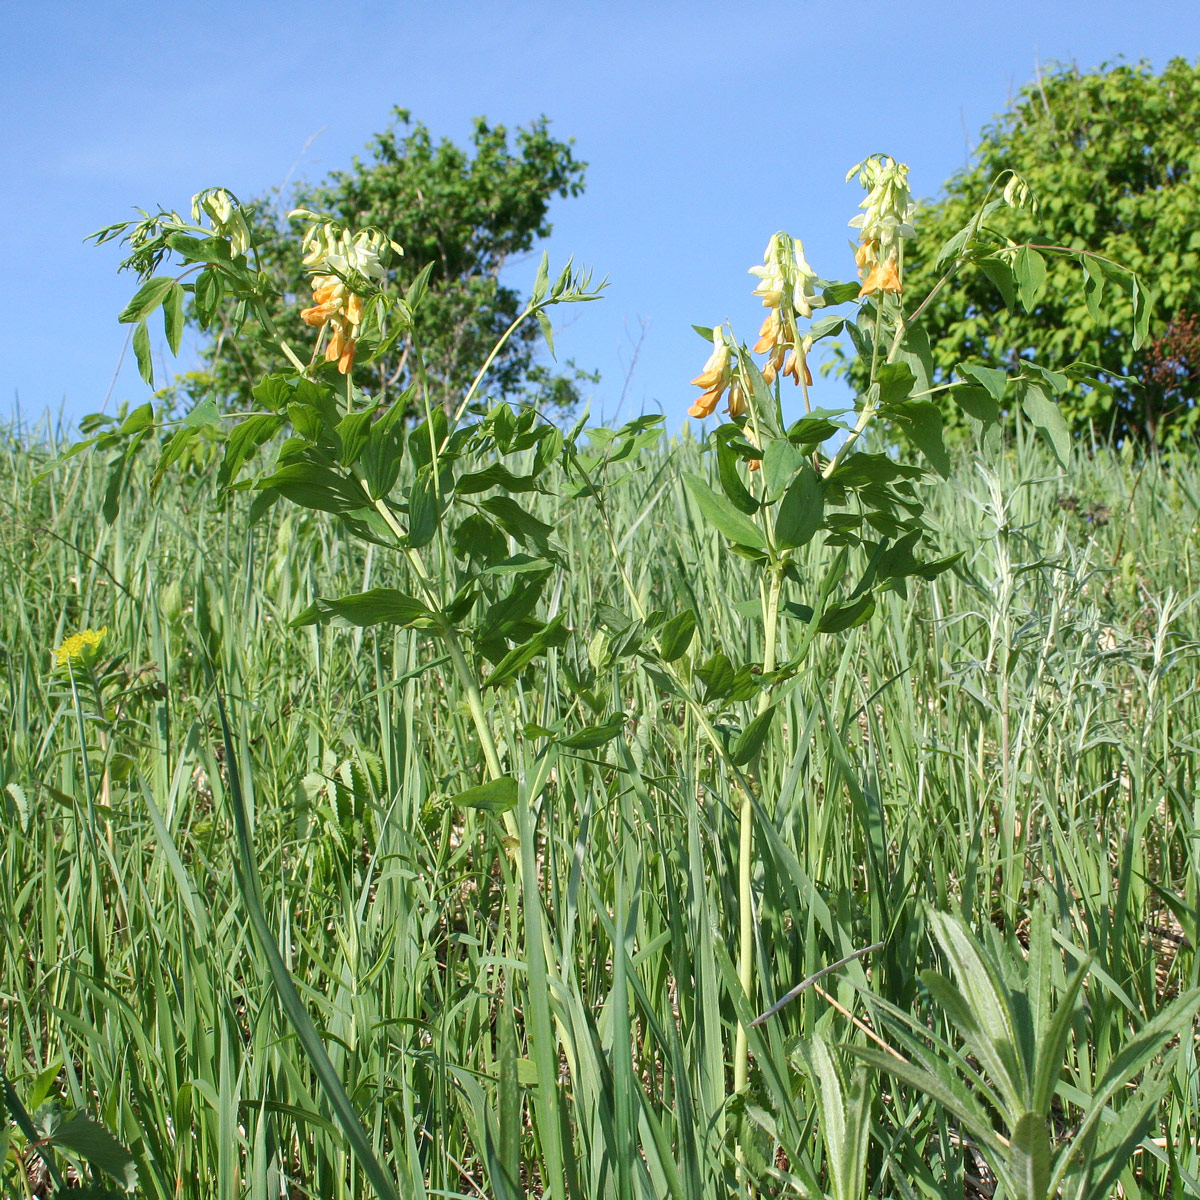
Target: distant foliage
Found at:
1112, 157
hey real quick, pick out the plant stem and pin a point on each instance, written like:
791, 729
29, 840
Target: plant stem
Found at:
741, 1053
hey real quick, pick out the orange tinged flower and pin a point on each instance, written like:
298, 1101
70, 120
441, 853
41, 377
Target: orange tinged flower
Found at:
340, 262
882, 277
796, 365
714, 379
770, 332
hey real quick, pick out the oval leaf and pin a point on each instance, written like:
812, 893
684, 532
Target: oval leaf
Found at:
800, 510
722, 515
496, 796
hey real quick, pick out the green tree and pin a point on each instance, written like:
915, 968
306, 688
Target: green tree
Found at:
1113, 160
467, 212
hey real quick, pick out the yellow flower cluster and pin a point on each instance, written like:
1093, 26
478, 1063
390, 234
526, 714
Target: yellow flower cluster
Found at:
334, 303
78, 645
886, 219
788, 287
343, 265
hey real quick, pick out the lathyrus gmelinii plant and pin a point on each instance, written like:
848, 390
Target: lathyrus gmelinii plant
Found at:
782, 486
407, 474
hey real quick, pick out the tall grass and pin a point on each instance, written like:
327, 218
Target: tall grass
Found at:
1021, 731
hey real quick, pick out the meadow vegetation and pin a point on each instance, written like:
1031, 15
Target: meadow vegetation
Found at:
1018, 735
408, 795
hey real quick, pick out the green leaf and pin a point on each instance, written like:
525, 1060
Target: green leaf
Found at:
141, 418
513, 663
921, 420
781, 460
383, 453
541, 283
677, 634
243, 441
977, 403
423, 508
751, 738
915, 352
999, 272
173, 317
972, 1119
496, 796
524, 526
1093, 288
592, 736
840, 293
206, 415
863, 469
206, 295
827, 326
547, 330
97, 1147
416, 290
728, 464
511, 614
313, 486
212, 250
895, 381
717, 676
1029, 270
1029, 1157
1143, 305
840, 617
141, 351
987, 377
814, 428
478, 538
496, 475
379, 606
352, 431
1048, 418
723, 516
800, 510
147, 298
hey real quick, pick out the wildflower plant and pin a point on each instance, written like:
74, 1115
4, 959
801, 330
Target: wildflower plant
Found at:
828, 522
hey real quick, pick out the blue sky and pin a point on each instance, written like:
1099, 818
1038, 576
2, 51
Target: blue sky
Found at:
706, 126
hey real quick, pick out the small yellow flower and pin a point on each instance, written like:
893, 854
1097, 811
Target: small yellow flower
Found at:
79, 645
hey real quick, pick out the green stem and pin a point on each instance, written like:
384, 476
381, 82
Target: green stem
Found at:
454, 648
491, 358
746, 929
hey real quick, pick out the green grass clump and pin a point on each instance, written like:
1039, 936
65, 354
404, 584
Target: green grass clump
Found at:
1032, 747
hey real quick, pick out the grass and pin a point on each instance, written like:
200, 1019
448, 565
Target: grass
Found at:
1020, 733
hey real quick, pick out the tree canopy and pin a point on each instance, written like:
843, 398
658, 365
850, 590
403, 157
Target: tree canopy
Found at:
466, 211
1113, 160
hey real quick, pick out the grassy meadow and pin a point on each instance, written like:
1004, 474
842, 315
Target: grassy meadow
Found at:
1015, 742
